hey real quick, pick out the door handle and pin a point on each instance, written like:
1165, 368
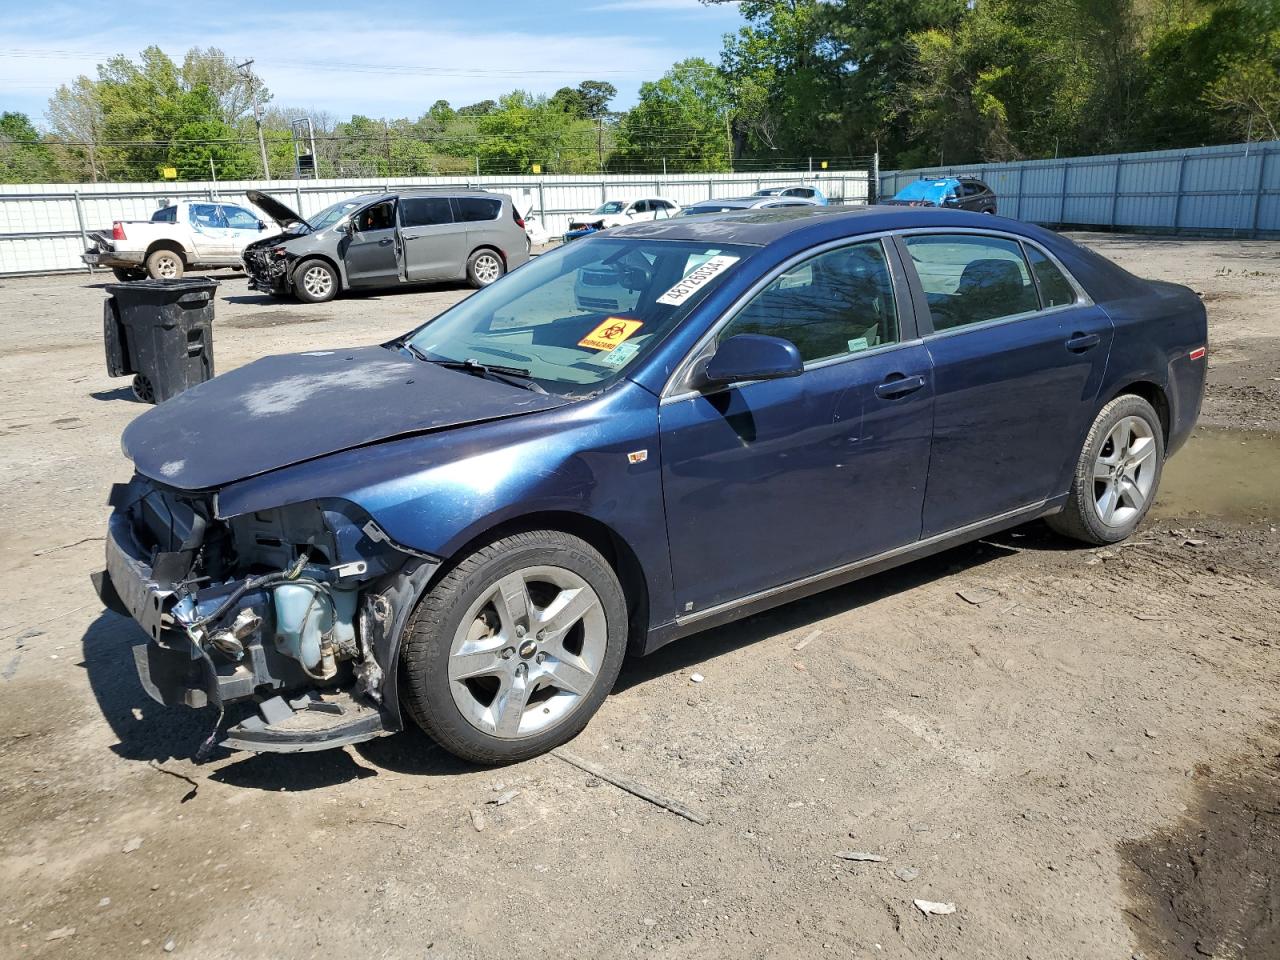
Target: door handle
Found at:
1080, 342
899, 386
385, 242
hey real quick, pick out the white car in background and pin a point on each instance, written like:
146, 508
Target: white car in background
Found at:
612, 213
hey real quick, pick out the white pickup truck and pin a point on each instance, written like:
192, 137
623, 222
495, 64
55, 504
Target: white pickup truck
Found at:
187, 235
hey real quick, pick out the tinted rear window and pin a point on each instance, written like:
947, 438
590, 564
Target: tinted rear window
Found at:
425, 211
167, 215
471, 209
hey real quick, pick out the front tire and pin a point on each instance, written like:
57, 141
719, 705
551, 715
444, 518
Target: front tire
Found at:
515, 648
484, 267
1117, 475
315, 281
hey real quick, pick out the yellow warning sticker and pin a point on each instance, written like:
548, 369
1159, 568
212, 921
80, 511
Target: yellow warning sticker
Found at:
610, 333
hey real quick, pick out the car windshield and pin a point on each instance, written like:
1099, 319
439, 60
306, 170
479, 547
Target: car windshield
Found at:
579, 316
932, 190
613, 206
332, 214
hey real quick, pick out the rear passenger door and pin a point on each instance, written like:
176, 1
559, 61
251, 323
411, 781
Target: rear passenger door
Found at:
434, 241
1018, 354
767, 482
482, 218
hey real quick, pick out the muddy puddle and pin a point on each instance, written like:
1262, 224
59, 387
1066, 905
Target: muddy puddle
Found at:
1226, 474
1208, 886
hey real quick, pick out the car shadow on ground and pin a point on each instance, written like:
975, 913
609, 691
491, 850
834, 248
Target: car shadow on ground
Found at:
797, 615
148, 731
376, 293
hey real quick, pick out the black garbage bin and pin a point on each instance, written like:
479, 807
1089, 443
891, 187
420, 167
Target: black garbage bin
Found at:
161, 331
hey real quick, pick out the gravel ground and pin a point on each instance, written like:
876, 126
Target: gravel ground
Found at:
1084, 761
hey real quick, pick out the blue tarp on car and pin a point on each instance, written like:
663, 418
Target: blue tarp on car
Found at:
930, 191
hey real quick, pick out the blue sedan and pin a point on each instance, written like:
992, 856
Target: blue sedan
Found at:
472, 525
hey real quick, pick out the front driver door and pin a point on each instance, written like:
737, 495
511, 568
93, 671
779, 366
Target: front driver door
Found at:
768, 482
373, 256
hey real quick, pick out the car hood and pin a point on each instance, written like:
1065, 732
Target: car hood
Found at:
274, 209
286, 409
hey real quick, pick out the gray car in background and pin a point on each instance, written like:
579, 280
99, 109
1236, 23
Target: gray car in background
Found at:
386, 239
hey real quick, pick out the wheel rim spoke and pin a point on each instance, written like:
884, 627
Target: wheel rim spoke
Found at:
484, 662
1107, 503
509, 704
565, 610
569, 673
511, 600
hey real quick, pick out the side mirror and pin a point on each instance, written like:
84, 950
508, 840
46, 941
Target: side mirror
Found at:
262, 225
749, 356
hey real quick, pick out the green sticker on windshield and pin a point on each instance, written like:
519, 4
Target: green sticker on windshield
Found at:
619, 355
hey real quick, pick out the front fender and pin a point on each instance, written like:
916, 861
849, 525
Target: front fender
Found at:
437, 492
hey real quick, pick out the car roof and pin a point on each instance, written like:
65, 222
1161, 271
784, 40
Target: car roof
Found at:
444, 191
759, 227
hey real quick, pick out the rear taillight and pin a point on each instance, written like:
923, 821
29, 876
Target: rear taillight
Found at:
519, 219
117, 231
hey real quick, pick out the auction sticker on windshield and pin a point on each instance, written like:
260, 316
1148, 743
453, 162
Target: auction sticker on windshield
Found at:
696, 279
610, 333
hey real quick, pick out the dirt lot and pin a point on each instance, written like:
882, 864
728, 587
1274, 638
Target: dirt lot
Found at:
1085, 762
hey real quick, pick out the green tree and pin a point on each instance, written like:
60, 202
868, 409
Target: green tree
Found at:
125, 124
24, 156
681, 118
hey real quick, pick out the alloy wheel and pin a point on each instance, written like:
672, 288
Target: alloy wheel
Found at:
1124, 471
487, 268
317, 281
527, 652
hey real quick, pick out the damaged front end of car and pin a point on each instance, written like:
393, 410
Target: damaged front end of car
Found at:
268, 265
297, 610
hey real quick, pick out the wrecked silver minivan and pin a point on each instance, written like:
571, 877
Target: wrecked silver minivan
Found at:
387, 239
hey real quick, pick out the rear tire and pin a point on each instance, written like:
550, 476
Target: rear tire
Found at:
484, 267
515, 648
126, 275
315, 281
165, 265
1117, 475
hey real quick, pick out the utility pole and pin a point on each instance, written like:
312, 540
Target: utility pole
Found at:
386, 144
600, 143
728, 137
257, 115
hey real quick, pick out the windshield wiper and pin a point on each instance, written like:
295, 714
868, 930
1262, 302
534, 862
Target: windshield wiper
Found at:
515, 376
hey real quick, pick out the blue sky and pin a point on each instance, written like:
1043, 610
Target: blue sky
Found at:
399, 56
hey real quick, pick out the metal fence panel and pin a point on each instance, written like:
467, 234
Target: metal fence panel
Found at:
1232, 189
43, 227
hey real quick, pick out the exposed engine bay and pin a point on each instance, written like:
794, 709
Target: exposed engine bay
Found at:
267, 266
297, 609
